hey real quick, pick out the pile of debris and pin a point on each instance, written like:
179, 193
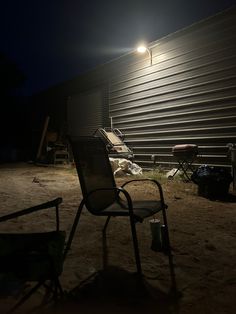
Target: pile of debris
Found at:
122, 166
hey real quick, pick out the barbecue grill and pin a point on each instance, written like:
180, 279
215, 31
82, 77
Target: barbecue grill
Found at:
185, 155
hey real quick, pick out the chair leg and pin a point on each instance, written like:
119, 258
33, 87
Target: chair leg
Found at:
73, 229
104, 242
26, 297
58, 283
169, 253
135, 244
57, 289
106, 224
52, 291
48, 291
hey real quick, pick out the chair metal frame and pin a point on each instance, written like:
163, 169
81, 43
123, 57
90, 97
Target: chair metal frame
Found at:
128, 210
54, 287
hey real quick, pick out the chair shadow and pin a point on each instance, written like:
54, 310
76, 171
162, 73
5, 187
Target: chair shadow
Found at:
229, 198
115, 290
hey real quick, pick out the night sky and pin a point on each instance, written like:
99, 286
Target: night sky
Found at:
54, 40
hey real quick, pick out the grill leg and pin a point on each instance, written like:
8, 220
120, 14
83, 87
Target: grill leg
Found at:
185, 155
184, 165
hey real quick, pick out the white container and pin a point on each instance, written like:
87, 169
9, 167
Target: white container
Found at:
155, 226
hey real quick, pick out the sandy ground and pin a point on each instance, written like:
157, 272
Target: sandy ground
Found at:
202, 236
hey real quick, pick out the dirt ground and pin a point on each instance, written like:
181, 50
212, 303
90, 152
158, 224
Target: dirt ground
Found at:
202, 234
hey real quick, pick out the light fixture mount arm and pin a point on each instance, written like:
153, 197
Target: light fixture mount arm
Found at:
143, 48
150, 55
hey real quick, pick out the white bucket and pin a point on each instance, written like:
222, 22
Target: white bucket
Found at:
155, 226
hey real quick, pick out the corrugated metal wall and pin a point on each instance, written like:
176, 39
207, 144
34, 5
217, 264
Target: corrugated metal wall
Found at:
188, 95
77, 106
84, 113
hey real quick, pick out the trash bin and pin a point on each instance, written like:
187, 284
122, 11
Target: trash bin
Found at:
213, 182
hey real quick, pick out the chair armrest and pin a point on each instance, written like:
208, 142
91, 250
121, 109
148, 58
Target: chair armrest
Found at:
83, 202
149, 180
53, 203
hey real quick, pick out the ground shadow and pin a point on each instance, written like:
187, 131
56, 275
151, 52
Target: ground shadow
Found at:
115, 290
229, 198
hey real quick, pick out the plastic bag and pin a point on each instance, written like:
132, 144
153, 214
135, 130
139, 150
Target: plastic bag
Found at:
213, 182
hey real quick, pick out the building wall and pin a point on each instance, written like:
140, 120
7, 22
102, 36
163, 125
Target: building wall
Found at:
84, 114
188, 95
77, 106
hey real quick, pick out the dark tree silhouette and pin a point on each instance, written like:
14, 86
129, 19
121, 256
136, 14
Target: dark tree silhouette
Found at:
13, 121
11, 77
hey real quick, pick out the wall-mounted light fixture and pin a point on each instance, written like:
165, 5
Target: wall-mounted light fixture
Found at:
143, 49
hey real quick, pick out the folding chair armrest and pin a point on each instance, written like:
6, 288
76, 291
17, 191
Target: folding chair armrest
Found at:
53, 203
148, 180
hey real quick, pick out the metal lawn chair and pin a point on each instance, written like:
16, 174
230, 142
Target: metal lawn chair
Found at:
102, 197
31, 257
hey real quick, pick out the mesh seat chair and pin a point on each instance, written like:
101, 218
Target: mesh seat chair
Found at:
102, 197
31, 257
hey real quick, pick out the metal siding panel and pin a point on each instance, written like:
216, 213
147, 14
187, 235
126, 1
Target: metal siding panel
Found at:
187, 96
85, 113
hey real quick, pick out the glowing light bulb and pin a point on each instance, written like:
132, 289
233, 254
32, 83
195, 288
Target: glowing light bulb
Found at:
142, 49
